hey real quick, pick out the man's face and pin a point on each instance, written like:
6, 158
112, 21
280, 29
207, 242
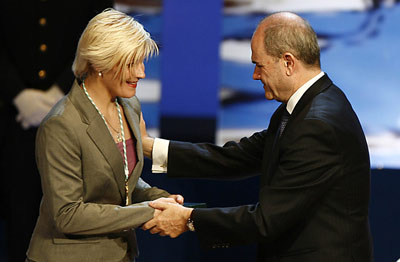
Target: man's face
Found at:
269, 70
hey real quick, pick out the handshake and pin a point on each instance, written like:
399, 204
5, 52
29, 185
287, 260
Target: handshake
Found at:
170, 217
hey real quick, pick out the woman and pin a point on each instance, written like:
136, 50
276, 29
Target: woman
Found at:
89, 151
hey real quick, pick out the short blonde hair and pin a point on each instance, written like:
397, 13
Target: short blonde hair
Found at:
111, 39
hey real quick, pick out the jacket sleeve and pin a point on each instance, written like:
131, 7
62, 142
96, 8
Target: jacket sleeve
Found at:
309, 165
144, 192
231, 161
60, 163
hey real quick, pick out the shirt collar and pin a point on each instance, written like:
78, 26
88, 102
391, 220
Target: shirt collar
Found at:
300, 92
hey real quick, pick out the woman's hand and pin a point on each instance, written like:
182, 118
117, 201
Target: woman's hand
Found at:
178, 199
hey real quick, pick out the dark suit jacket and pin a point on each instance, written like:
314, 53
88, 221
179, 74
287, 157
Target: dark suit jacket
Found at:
314, 183
82, 215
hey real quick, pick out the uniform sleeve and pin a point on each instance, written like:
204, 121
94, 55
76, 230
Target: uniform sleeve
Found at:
12, 84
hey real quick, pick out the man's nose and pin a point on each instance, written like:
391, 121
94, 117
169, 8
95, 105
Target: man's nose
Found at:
256, 74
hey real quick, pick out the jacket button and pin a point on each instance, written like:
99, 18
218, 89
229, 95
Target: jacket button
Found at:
43, 48
42, 74
42, 21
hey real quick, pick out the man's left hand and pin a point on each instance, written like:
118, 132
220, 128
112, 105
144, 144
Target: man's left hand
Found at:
171, 221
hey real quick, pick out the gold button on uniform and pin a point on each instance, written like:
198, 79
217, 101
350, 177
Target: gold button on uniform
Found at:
42, 74
43, 47
42, 21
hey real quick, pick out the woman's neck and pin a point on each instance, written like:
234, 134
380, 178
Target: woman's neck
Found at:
100, 95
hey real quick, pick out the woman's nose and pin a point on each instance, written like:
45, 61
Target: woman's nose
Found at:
140, 71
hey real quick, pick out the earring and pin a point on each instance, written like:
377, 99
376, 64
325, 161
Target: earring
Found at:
100, 74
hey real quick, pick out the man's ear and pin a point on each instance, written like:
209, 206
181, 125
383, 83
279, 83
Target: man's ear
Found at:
289, 61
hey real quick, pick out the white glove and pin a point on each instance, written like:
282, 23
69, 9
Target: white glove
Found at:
55, 92
33, 105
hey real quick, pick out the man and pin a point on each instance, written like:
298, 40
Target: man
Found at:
313, 160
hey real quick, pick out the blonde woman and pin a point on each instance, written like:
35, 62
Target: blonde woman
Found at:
89, 151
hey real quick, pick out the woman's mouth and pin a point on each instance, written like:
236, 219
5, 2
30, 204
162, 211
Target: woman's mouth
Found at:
132, 84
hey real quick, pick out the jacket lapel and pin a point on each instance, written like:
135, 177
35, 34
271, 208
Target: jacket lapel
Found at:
321, 84
99, 134
133, 121
271, 151
306, 99
308, 96
270, 145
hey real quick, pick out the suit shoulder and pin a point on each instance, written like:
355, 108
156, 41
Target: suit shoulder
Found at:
63, 113
333, 108
328, 103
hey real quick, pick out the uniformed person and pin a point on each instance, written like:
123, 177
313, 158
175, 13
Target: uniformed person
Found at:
39, 38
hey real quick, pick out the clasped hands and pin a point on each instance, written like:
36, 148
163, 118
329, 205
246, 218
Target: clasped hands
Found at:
170, 217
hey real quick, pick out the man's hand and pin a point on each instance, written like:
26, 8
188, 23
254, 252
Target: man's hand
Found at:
169, 219
147, 141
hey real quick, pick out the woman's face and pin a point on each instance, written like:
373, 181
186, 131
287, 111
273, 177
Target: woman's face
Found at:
127, 88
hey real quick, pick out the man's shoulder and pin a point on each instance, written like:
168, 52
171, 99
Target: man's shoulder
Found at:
331, 101
332, 108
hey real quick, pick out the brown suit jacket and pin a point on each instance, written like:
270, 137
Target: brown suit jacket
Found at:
82, 214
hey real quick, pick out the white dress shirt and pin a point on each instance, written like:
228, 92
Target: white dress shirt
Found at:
295, 98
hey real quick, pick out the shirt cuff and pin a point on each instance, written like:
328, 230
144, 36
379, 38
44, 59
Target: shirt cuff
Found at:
160, 155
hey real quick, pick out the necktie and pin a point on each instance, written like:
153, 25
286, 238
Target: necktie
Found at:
284, 120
